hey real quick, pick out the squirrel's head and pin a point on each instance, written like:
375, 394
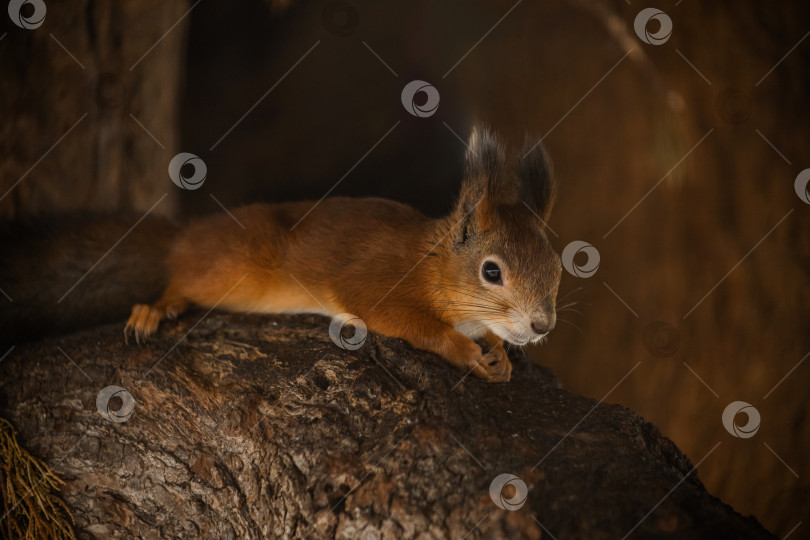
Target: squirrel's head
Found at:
505, 271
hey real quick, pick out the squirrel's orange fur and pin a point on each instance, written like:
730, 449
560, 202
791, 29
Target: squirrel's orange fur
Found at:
403, 274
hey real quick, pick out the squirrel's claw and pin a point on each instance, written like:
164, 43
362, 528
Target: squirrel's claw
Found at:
142, 323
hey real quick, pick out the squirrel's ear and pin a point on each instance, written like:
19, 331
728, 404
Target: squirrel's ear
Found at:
538, 185
484, 172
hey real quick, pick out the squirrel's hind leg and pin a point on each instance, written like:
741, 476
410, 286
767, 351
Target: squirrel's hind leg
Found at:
145, 319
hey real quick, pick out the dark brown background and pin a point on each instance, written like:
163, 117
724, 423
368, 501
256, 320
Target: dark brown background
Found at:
528, 75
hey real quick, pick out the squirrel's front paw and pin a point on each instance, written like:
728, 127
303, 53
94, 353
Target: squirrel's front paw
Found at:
496, 365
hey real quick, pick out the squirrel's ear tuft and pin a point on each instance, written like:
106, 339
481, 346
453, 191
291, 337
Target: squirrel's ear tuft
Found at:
538, 185
485, 159
491, 181
484, 171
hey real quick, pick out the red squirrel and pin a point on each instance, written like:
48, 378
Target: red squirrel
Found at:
485, 272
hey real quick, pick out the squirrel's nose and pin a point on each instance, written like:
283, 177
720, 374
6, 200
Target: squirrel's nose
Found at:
541, 327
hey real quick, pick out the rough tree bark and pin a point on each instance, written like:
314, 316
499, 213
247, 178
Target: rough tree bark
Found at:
260, 427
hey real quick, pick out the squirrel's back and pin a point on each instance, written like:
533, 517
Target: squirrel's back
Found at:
298, 256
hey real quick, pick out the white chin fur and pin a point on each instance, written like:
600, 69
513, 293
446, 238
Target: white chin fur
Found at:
473, 330
476, 330
507, 335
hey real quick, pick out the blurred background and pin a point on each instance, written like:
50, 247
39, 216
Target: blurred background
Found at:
677, 162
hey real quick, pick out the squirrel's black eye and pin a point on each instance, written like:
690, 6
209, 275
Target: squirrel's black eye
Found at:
492, 272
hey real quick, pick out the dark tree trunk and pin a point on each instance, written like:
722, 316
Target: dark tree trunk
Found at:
260, 427
89, 108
